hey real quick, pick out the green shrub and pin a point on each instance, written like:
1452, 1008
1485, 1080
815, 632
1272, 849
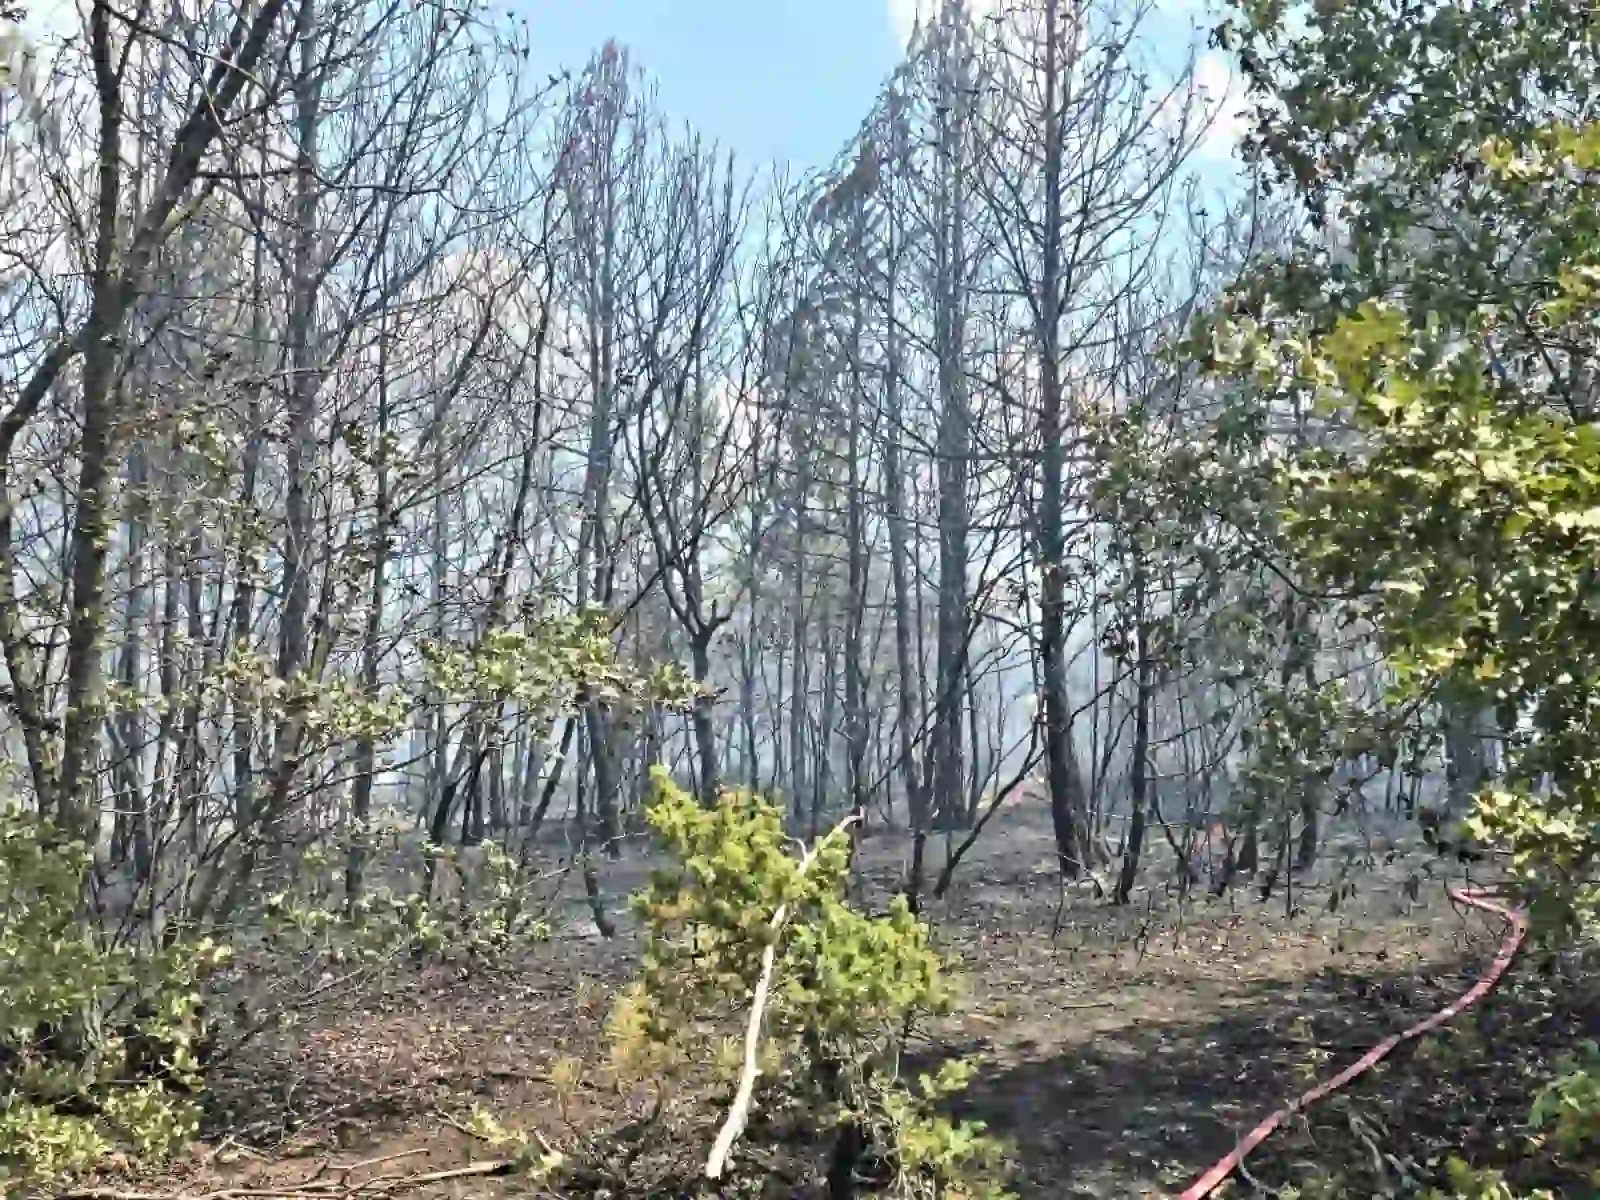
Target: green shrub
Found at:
1470, 1183
1567, 1111
844, 988
85, 1023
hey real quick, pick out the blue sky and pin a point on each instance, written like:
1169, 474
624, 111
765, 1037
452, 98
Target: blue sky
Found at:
770, 79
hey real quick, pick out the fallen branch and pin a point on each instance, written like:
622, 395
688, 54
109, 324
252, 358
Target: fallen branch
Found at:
739, 1111
502, 1166
320, 1190
367, 1163
467, 1131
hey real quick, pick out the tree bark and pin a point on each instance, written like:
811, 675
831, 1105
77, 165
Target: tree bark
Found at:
799, 699
855, 679
1067, 803
909, 687
1139, 781
705, 732
947, 775
371, 649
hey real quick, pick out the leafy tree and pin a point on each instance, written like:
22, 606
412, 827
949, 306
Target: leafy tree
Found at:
1443, 333
1441, 338
1458, 513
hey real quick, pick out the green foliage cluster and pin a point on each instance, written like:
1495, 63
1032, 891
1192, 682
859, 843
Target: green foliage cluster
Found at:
1469, 534
845, 987
309, 937
1375, 115
1197, 509
1457, 510
1440, 347
547, 664
1567, 1112
78, 1019
1469, 1183
480, 919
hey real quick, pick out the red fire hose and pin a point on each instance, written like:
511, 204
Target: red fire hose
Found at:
1516, 929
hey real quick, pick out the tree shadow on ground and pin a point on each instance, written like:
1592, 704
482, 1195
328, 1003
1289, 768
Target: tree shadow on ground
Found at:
1141, 1110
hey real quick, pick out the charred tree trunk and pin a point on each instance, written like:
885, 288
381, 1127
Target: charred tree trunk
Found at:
1067, 803
1139, 780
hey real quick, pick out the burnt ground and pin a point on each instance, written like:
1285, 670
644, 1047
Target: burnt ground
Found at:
1123, 1050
